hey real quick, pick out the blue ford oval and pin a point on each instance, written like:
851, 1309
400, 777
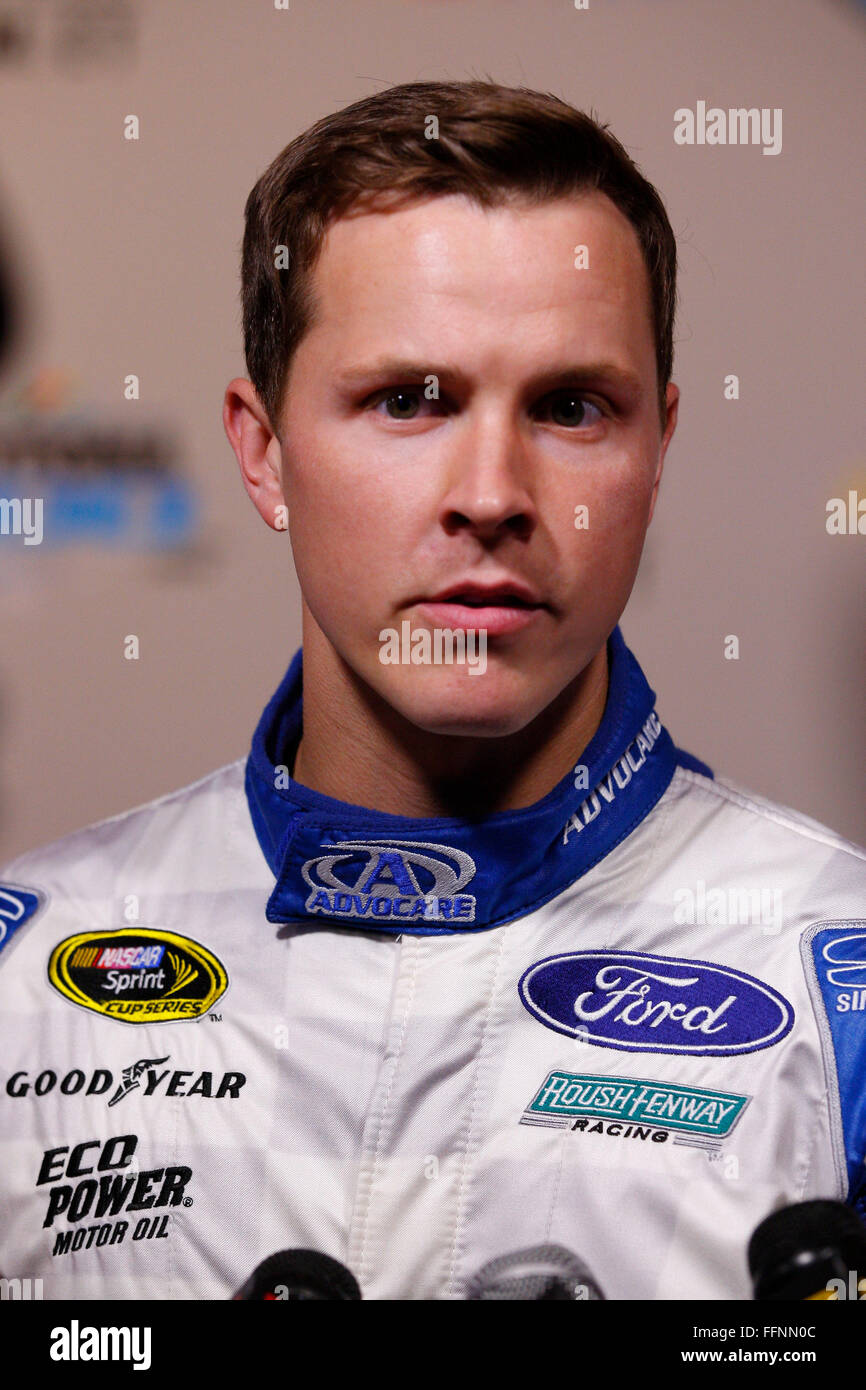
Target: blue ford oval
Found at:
642, 1003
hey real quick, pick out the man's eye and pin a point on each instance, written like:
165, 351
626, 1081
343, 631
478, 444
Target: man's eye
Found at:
569, 408
401, 405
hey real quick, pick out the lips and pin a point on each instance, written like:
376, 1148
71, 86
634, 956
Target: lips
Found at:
497, 609
508, 594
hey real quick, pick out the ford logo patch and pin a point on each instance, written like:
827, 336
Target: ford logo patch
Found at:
642, 1003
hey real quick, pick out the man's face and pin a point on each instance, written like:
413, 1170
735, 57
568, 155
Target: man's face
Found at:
466, 511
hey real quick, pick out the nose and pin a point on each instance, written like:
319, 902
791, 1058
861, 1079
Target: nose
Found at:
487, 488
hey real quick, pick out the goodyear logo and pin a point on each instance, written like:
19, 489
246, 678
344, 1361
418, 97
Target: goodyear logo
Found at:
690, 1109
138, 975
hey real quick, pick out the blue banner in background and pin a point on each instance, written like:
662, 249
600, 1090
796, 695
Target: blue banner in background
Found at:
66, 484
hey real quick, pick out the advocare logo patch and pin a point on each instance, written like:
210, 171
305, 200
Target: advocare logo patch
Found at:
138, 975
402, 879
637, 1002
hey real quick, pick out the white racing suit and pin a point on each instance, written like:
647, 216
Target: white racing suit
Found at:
629, 1019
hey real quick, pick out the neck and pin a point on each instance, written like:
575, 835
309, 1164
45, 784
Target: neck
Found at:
357, 748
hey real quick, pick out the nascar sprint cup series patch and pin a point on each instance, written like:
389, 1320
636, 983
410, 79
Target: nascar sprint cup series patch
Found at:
139, 975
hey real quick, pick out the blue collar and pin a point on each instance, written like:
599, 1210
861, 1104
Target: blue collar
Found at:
336, 863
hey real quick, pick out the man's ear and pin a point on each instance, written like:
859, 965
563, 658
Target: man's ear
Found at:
257, 449
672, 399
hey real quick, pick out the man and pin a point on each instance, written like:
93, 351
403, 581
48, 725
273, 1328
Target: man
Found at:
466, 956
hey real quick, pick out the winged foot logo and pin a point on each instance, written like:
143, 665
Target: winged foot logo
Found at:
409, 880
636, 1002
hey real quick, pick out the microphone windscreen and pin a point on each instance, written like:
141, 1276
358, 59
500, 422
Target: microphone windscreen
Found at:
299, 1274
539, 1274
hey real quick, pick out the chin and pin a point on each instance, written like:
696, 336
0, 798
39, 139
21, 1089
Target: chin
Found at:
466, 706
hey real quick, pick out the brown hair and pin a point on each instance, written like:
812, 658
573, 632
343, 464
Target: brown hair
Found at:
495, 144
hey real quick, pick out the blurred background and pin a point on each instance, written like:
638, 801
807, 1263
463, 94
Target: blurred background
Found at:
119, 259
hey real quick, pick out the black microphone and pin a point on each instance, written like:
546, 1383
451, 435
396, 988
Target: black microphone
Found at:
296, 1274
543, 1273
795, 1252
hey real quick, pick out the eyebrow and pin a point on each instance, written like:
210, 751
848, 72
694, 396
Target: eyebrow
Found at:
403, 369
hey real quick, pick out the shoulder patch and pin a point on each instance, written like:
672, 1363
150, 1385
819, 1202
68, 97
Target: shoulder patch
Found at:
834, 955
17, 906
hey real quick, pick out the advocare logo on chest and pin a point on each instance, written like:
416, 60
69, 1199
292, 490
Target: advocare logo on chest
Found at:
637, 1002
